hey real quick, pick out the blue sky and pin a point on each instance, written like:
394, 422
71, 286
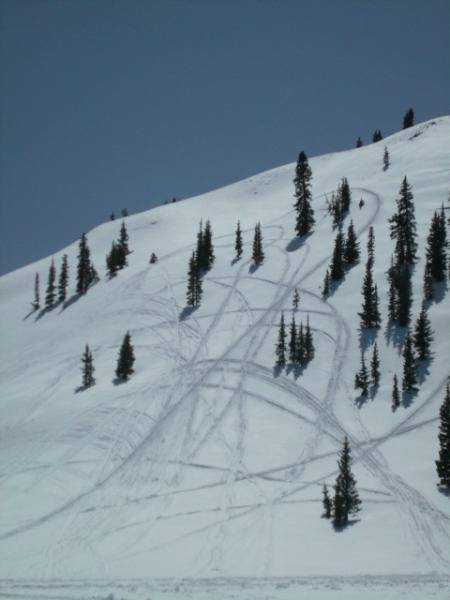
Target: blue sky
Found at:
108, 104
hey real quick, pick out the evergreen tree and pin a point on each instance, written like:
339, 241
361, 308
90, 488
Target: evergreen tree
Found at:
370, 315
124, 212
346, 499
295, 299
408, 119
327, 503
126, 359
36, 304
300, 347
209, 247
87, 368
92, 275
409, 383
359, 142
351, 249
114, 259
200, 257
63, 280
345, 196
84, 266
112, 216
386, 159
362, 378
302, 182
428, 290
50, 293
293, 341
443, 462
308, 342
258, 253
326, 285
375, 366
371, 246
238, 245
395, 394
423, 335
402, 279
194, 287
436, 251
392, 293
123, 241
377, 136
280, 350
337, 261
403, 226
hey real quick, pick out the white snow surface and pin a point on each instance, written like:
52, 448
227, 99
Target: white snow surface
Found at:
201, 477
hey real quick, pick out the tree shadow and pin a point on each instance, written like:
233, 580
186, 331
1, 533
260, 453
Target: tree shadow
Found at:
80, 388
70, 301
396, 335
373, 390
277, 370
235, 260
297, 242
32, 311
423, 368
444, 490
187, 312
253, 267
335, 284
340, 527
408, 398
367, 336
439, 291
119, 381
361, 400
44, 311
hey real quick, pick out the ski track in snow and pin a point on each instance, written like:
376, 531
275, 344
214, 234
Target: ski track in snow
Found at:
134, 447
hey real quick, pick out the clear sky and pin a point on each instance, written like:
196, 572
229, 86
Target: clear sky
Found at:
108, 104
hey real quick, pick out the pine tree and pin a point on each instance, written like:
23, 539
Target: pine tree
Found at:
114, 259
351, 249
112, 216
371, 246
423, 335
337, 261
200, 257
370, 314
280, 350
87, 368
308, 342
300, 348
238, 245
194, 287
327, 503
36, 304
395, 394
362, 378
84, 266
92, 275
293, 341
123, 241
403, 295
386, 159
326, 285
375, 366
408, 119
50, 293
392, 293
377, 136
436, 251
257, 253
346, 499
208, 246
403, 226
63, 281
409, 383
359, 142
428, 290
302, 182
295, 299
345, 196
126, 359
443, 462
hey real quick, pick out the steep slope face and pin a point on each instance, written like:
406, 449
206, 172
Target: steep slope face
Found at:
207, 462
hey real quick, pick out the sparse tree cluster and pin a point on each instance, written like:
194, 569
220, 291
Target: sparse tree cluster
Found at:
86, 273
436, 254
370, 313
117, 257
377, 136
299, 349
339, 205
204, 254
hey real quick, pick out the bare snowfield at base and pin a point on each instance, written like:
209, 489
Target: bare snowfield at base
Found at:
201, 477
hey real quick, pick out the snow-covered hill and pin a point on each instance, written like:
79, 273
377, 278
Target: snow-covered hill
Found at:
205, 464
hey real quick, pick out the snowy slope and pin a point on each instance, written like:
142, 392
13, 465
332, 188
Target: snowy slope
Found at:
204, 464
